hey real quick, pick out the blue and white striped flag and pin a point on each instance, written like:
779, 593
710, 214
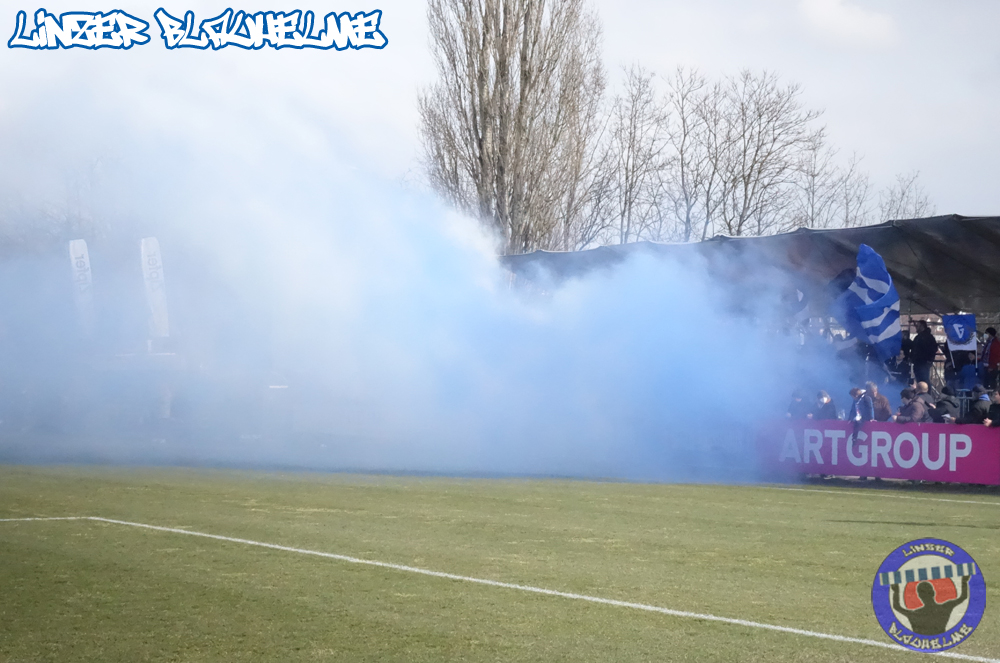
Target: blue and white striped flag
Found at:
869, 308
927, 573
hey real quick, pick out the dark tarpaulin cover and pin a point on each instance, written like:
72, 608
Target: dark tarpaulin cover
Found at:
941, 264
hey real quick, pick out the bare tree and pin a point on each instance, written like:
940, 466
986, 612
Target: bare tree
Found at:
508, 128
819, 182
633, 160
690, 173
855, 205
831, 196
905, 199
766, 129
577, 209
592, 225
517, 133
713, 114
744, 157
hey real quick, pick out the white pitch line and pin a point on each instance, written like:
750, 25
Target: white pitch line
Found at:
523, 588
25, 520
880, 493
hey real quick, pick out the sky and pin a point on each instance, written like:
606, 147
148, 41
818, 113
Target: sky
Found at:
911, 86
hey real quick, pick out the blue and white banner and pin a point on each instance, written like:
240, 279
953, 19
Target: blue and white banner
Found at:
869, 308
83, 284
156, 297
961, 331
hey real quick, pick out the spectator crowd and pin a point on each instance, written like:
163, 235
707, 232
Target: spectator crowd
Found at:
974, 376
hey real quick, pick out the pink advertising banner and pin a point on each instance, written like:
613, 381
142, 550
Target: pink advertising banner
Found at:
919, 452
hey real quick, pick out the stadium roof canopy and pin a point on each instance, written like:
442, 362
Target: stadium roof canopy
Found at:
941, 264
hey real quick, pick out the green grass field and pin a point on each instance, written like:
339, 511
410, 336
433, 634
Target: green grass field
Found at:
91, 591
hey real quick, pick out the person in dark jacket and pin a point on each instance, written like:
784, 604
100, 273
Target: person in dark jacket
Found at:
925, 349
862, 408
947, 409
924, 393
798, 408
881, 405
927, 388
989, 361
913, 410
979, 408
906, 346
825, 409
900, 370
993, 414
862, 411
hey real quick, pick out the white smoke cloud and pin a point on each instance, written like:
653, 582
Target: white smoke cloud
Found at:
291, 260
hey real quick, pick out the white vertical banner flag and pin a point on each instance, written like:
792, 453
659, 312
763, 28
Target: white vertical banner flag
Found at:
156, 295
83, 284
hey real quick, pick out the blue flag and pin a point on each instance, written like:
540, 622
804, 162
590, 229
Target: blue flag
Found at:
869, 307
961, 331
